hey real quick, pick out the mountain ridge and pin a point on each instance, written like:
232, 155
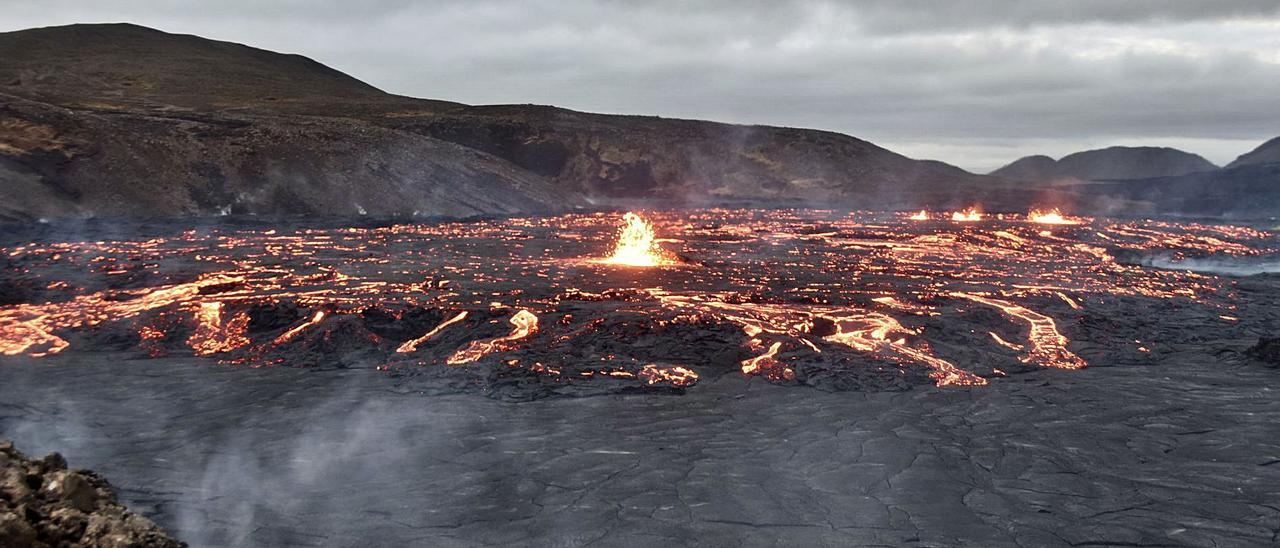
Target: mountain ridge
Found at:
124, 120
1111, 163
125, 71
1265, 153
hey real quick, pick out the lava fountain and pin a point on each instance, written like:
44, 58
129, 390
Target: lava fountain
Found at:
1050, 217
637, 245
969, 215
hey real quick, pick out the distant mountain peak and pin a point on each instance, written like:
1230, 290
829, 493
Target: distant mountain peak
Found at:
1266, 153
1111, 163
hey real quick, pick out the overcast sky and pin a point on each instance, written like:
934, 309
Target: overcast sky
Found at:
975, 83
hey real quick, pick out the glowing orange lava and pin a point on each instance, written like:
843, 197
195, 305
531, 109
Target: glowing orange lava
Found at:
410, 346
967, 216
524, 323
290, 334
751, 366
637, 245
674, 375
29, 329
809, 289
1050, 217
213, 334
1048, 346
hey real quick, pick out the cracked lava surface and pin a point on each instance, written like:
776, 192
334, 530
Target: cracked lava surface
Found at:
750, 383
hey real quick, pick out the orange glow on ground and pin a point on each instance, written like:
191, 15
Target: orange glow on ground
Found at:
524, 323
1050, 217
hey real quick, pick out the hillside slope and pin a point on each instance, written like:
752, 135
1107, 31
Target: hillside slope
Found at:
266, 121
1111, 163
121, 120
1266, 153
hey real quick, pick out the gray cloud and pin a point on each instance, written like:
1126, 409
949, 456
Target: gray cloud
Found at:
976, 83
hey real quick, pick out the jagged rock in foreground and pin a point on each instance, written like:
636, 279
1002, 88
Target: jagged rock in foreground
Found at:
42, 503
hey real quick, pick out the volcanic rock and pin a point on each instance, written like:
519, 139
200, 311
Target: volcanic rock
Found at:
42, 503
1266, 351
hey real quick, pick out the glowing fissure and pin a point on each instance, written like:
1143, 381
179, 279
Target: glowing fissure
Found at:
295, 330
411, 345
1048, 346
869, 332
864, 331
28, 329
770, 273
523, 324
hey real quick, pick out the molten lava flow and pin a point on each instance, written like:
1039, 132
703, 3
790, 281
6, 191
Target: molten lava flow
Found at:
1048, 346
674, 375
921, 215
293, 332
782, 277
410, 346
969, 215
751, 366
28, 329
524, 323
213, 335
1050, 217
869, 332
637, 245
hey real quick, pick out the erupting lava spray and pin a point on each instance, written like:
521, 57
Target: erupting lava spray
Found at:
1050, 217
637, 245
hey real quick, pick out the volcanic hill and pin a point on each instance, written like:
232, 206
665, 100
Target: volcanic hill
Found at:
119, 120
1266, 153
1107, 164
123, 120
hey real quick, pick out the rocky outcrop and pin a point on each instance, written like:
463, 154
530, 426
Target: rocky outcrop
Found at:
42, 503
1267, 351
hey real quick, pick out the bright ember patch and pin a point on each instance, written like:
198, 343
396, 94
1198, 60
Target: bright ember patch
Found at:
1050, 217
967, 216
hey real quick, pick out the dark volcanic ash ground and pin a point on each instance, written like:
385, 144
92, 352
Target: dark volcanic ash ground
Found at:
790, 378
